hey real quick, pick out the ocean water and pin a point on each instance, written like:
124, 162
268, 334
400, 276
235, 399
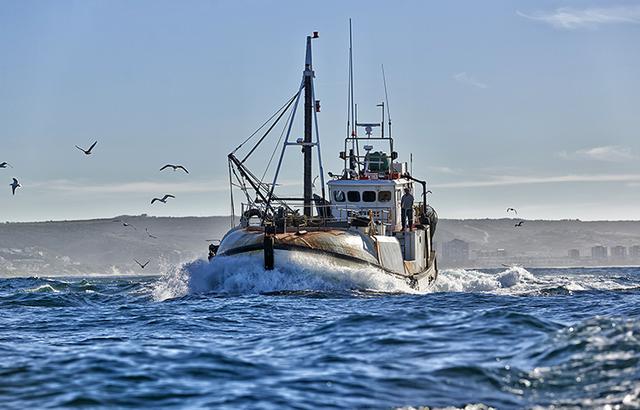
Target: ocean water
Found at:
213, 336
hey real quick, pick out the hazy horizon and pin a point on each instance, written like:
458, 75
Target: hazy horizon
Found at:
99, 218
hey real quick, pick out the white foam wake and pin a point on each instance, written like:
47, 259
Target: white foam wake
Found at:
518, 280
462, 280
245, 274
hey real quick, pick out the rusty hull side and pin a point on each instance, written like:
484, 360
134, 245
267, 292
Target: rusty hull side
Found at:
352, 244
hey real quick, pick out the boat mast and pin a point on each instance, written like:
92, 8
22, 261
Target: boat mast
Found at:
308, 130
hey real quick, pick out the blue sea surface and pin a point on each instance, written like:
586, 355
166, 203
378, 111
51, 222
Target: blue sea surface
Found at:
503, 338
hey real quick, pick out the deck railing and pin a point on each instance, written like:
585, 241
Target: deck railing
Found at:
323, 215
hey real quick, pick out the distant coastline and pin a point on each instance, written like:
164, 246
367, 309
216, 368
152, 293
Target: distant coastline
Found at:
102, 246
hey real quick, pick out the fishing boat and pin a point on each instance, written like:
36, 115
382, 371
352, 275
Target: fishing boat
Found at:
353, 220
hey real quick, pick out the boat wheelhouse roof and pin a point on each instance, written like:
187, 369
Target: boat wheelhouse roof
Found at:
368, 182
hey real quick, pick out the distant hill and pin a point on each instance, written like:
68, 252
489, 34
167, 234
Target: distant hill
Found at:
539, 237
102, 246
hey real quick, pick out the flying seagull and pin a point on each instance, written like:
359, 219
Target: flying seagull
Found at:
163, 200
512, 209
15, 184
5, 164
150, 236
142, 265
125, 224
87, 151
175, 167
519, 223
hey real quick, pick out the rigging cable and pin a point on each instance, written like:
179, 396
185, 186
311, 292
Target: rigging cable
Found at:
271, 127
263, 124
275, 149
233, 208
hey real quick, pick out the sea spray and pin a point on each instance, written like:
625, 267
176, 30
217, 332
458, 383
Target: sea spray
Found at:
517, 280
245, 274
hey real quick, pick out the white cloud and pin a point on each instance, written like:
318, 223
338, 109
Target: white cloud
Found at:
570, 19
467, 79
608, 153
522, 180
139, 187
443, 170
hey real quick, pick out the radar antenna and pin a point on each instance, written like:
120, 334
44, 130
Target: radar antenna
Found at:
386, 99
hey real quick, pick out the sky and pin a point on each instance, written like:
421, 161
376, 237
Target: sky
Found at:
527, 104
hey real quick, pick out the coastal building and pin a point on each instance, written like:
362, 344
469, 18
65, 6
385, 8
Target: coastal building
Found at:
634, 251
618, 252
455, 251
574, 254
599, 252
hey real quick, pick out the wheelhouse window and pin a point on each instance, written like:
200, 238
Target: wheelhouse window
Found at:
384, 196
338, 196
369, 196
353, 196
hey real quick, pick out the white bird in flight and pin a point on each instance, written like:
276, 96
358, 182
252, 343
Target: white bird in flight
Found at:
125, 224
148, 233
163, 200
175, 167
15, 184
87, 151
512, 209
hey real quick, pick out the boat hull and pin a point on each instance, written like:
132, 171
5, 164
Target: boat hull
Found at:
333, 248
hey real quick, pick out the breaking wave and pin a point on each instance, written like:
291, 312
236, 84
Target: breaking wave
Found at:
246, 275
518, 280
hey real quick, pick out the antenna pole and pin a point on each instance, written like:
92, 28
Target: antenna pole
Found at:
351, 106
381, 105
386, 98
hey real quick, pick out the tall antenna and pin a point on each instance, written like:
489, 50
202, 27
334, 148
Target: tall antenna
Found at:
386, 98
351, 102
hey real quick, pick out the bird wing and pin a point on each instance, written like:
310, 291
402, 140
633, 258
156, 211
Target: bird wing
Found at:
167, 196
182, 168
15, 181
166, 166
92, 145
154, 200
81, 149
138, 263
146, 263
